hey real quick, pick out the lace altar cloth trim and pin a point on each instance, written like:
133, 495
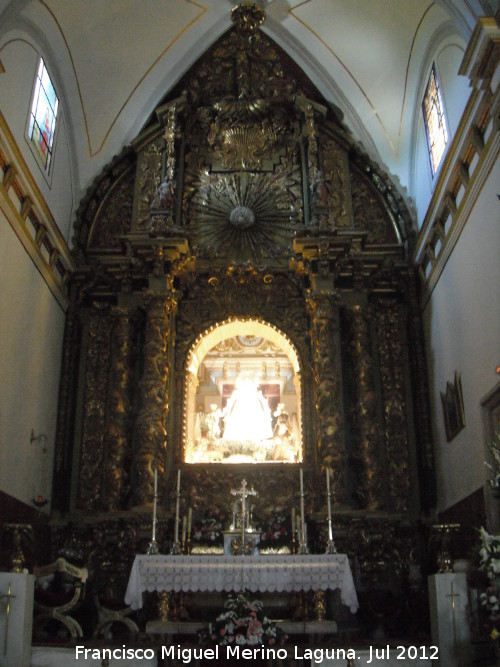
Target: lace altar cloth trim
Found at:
237, 573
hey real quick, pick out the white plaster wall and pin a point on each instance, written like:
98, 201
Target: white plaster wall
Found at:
20, 60
462, 322
31, 334
455, 89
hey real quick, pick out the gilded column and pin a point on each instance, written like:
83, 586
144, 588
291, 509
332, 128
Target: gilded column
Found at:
151, 424
117, 438
366, 427
317, 187
391, 337
297, 383
327, 382
190, 412
421, 397
98, 338
63, 454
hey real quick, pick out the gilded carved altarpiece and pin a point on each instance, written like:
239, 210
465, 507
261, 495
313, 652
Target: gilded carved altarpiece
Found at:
245, 199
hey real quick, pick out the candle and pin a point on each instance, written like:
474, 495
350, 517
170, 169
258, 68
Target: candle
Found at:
184, 523
298, 528
154, 504
330, 534
302, 517
189, 522
243, 510
293, 519
176, 530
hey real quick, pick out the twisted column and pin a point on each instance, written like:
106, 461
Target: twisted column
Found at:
366, 428
151, 421
98, 354
327, 384
117, 442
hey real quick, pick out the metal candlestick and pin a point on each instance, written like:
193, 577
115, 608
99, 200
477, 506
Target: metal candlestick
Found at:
303, 548
153, 548
330, 548
243, 492
176, 549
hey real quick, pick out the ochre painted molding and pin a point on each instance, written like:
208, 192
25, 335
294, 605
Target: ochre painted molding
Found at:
27, 212
470, 158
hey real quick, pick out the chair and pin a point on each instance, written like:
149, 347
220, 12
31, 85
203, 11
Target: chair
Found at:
59, 589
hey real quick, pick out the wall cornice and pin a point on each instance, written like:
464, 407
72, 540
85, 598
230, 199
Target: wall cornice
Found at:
469, 160
27, 212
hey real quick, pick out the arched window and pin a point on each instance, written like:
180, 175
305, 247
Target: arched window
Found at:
435, 121
43, 117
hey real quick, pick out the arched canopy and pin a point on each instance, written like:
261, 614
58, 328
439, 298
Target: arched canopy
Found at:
239, 327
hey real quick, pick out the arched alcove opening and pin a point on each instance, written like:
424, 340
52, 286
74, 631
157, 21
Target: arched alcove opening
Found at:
242, 396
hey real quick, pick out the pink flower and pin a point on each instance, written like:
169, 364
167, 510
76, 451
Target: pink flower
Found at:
223, 631
271, 641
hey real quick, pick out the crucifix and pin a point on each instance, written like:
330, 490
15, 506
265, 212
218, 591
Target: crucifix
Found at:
453, 595
7, 597
243, 491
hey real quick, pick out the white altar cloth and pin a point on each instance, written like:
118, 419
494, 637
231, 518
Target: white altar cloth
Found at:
269, 573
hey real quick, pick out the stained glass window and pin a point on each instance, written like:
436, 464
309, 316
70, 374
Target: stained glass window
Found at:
435, 121
43, 116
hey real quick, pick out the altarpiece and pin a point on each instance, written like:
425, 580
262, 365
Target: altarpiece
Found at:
245, 248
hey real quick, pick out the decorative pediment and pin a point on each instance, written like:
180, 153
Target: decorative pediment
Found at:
242, 157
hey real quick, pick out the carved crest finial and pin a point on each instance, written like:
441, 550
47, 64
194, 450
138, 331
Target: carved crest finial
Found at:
247, 16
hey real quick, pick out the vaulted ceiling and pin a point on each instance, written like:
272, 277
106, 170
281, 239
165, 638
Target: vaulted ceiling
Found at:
114, 61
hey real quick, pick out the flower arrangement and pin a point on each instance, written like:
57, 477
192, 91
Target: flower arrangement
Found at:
209, 530
489, 555
243, 622
276, 528
494, 467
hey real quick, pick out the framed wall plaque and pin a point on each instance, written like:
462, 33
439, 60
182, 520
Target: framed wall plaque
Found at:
453, 408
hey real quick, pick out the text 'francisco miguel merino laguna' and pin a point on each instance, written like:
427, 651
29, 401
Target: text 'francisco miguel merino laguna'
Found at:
236, 652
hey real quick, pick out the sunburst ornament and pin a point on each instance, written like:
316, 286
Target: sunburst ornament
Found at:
242, 216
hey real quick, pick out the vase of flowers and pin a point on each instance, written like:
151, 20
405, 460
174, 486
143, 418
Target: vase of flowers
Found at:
276, 529
494, 467
243, 622
208, 531
489, 563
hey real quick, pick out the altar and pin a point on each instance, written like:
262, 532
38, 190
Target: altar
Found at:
264, 574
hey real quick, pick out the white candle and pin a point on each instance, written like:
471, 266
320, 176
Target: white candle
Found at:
154, 503
302, 517
190, 520
184, 523
176, 536
330, 534
243, 510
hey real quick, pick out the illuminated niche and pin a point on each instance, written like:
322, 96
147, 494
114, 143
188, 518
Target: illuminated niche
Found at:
242, 396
